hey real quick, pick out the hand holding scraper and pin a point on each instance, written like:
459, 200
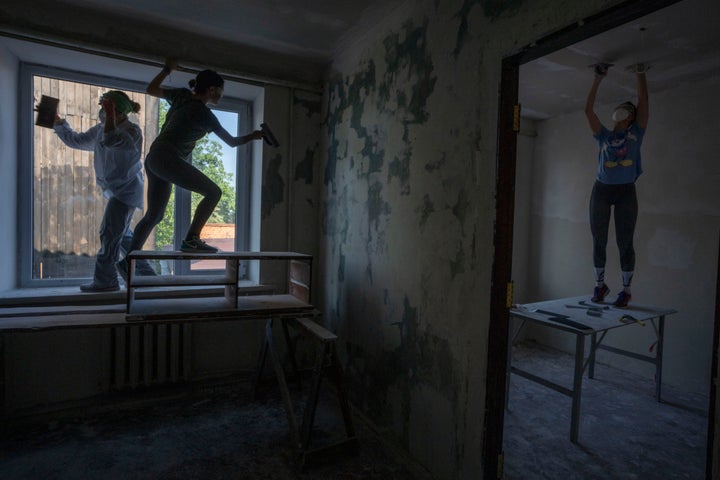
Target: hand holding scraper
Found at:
268, 135
46, 111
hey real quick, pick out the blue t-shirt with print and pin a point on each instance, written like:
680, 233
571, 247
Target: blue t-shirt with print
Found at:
619, 158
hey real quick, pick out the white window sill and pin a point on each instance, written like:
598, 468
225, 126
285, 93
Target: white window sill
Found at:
61, 296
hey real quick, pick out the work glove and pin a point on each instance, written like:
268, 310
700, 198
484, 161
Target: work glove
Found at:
638, 68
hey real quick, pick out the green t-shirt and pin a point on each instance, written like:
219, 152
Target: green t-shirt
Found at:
187, 121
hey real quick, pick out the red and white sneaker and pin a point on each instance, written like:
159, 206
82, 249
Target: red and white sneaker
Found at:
600, 293
623, 299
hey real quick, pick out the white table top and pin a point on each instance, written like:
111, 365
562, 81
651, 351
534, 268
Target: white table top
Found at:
580, 315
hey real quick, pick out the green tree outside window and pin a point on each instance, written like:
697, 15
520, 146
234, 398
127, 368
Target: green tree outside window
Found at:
207, 157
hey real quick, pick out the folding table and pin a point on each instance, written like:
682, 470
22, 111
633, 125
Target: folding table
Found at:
583, 318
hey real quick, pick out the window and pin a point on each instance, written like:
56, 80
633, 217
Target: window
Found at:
61, 207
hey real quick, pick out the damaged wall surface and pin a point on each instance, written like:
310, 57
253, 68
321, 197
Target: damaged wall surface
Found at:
389, 179
408, 214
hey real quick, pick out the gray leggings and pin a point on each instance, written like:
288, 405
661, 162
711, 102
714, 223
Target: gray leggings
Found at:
164, 167
624, 198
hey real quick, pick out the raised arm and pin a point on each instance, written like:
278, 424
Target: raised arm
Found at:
154, 87
80, 140
643, 108
590, 114
237, 141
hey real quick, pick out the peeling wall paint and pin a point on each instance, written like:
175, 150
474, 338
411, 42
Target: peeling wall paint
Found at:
304, 168
372, 121
495, 8
273, 190
306, 155
491, 8
407, 218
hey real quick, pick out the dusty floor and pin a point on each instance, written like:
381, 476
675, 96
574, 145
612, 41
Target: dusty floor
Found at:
218, 433
624, 432
222, 433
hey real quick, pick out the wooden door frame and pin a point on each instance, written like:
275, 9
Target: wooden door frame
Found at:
501, 290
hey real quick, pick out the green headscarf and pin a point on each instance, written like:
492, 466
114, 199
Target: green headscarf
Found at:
122, 102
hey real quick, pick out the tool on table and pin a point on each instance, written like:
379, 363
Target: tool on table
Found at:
593, 305
564, 319
268, 135
630, 319
589, 310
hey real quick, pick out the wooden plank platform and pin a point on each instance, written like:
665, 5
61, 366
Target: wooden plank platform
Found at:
178, 255
217, 307
182, 280
40, 321
299, 270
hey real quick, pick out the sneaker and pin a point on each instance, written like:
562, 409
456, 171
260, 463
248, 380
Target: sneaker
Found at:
195, 245
92, 287
600, 293
623, 299
123, 270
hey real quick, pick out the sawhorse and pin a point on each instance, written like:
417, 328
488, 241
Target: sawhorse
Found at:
326, 363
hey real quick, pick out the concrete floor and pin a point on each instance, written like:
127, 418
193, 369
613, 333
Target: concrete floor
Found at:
220, 432
214, 433
624, 432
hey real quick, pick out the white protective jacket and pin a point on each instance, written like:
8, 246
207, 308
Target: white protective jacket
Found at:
118, 169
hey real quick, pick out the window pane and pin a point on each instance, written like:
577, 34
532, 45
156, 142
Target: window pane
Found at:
67, 205
218, 161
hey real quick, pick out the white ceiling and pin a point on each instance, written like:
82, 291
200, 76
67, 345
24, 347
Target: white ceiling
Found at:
306, 28
680, 42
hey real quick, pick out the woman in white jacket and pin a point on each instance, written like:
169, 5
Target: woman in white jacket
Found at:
117, 144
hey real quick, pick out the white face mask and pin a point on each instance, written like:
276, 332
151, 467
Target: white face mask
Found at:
101, 115
620, 114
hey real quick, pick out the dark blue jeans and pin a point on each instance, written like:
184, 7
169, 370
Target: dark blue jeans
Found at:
113, 228
115, 238
624, 198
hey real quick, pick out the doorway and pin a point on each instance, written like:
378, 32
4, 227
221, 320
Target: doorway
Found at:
626, 14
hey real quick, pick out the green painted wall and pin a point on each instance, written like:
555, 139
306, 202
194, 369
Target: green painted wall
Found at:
408, 210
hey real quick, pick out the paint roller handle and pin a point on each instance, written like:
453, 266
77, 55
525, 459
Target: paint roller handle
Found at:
601, 69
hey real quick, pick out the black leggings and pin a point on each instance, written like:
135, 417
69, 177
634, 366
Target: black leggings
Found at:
164, 167
624, 198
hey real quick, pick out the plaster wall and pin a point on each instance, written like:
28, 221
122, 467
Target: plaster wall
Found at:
676, 236
408, 211
522, 234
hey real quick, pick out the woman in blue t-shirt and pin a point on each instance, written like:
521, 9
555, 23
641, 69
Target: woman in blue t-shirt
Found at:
169, 160
619, 166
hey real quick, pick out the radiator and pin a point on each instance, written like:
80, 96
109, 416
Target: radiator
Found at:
147, 355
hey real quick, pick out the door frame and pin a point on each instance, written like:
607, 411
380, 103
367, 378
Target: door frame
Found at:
501, 288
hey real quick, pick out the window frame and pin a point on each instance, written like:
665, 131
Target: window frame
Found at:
26, 162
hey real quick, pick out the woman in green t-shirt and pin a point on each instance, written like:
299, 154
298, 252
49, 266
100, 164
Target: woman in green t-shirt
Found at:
168, 162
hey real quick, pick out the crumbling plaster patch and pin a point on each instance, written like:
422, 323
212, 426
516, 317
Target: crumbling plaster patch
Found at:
372, 181
273, 189
437, 253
